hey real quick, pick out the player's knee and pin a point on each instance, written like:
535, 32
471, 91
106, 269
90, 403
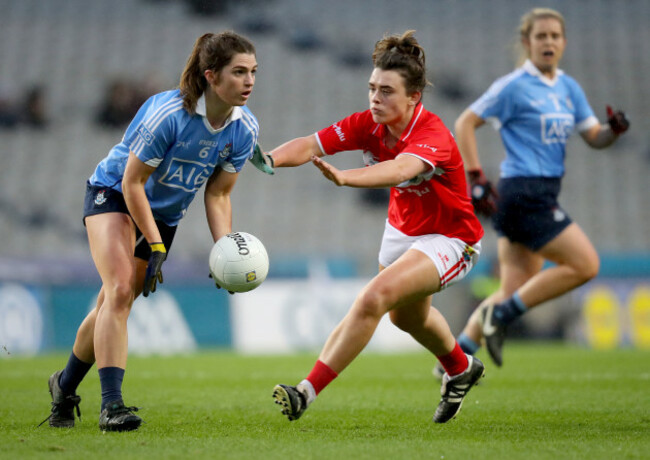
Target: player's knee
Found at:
120, 295
587, 268
591, 269
371, 302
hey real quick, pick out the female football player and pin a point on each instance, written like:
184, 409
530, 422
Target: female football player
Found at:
535, 108
201, 133
431, 238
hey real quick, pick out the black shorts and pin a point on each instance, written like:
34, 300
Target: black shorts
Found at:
528, 211
100, 200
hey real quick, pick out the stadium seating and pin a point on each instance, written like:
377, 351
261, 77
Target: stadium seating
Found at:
74, 47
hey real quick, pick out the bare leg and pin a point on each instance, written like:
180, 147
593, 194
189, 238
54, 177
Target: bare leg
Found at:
112, 240
576, 263
412, 278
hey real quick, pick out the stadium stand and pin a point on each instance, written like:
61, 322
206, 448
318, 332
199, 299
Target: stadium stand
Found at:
73, 48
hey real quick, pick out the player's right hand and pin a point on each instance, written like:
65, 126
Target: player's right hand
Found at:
262, 161
217, 284
483, 193
617, 121
154, 273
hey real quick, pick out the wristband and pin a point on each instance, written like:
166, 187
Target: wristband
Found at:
158, 247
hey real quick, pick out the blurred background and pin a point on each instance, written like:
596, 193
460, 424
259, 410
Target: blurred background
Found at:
73, 73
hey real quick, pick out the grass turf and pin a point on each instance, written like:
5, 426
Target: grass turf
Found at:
549, 401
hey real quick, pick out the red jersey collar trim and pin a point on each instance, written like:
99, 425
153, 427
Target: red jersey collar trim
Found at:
380, 129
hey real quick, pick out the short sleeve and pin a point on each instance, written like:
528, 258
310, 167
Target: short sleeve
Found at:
154, 131
244, 149
584, 115
496, 104
344, 134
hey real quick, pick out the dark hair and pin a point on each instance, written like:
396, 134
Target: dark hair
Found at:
210, 52
404, 55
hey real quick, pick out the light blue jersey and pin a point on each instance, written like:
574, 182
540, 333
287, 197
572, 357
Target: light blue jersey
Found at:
535, 116
184, 149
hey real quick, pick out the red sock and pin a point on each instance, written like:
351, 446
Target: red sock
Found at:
321, 375
455, 362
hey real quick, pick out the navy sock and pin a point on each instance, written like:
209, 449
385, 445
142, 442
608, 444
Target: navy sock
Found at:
467, 344
508, 311
73, 374
111, 381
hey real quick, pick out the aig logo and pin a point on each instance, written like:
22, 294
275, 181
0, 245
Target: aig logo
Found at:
556, 127
146, 135
186, 175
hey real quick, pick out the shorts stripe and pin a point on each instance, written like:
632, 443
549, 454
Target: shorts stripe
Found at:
453, 272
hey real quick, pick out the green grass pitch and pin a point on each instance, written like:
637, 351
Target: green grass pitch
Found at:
549, 401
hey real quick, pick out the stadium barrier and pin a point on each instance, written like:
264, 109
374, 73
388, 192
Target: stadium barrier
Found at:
296, 312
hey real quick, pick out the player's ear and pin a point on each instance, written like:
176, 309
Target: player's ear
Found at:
211, 76
415, 97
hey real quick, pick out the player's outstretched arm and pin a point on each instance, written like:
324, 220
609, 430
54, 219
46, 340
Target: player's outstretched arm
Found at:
296, 152
384, 174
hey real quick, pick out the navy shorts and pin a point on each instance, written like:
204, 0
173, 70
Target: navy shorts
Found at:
528, 211
100, 200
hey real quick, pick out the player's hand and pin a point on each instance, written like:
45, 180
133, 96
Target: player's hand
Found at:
263, 161
329, 171
154, 274
217, 284
617, 121
483, 193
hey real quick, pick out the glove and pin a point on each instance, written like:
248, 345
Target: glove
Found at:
262, 161
217, 284
617, 121
153, 275
483, 194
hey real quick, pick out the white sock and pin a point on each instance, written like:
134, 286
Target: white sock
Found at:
306, 388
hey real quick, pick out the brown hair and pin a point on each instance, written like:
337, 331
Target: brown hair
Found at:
210, 52
404, 55
526, 26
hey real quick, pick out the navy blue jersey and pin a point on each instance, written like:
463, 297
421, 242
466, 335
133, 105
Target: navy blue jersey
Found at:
185, 149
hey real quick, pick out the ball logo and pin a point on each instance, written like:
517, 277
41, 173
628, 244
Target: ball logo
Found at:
242, 247
238, 262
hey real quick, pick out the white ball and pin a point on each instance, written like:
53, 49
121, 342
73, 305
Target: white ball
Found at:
239, 262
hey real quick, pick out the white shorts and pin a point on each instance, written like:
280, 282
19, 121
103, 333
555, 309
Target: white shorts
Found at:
452, 257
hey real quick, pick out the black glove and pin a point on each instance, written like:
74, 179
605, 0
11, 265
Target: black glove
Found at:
617, 121
217, 284
483, 194
158, 256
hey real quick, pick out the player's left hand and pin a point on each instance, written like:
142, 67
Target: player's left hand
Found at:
217, 284
263, 161
329, 171
154, 273
617, 121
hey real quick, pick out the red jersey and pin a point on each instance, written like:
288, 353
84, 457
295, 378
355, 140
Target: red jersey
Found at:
434, 202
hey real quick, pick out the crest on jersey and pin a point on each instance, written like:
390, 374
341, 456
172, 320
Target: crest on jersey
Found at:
100, 198
226, 150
